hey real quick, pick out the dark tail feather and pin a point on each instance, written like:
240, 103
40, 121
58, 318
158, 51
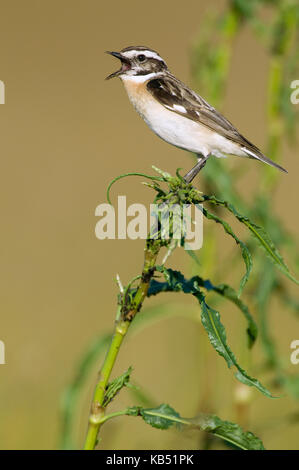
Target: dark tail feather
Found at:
263, 158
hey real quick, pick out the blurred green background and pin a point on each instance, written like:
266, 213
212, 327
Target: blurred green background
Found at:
65, 133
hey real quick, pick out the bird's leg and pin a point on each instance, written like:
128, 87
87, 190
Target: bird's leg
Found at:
195, 170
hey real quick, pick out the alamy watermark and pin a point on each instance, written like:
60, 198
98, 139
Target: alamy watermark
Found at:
295, 94
2, 92
295, 354
183, 223
2, 352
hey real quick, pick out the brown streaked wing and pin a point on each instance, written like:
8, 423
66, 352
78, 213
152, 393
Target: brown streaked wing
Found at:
169, 91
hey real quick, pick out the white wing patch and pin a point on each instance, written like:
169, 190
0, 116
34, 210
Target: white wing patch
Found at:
179, 108
176, 107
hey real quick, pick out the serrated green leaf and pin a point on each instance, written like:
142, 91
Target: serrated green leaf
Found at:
259, 234
176, 282
164, 416
216, 332
244, 250
116, 385
217, 336
229, 293
228, 431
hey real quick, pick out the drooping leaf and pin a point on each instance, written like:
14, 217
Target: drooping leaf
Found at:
259, 234
164, 416
228, 431
217, 336
176, 282
229, 293
244, 250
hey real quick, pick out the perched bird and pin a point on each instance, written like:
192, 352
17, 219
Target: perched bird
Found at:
176, 113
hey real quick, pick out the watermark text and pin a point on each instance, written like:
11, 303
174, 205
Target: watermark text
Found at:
183, 223
295, 94
295, 354
2, 352
2, 92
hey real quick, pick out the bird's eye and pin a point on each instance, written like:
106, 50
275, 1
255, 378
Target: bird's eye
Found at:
141, 57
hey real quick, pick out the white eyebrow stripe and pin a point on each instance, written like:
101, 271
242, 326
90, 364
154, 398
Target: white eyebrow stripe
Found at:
149, 54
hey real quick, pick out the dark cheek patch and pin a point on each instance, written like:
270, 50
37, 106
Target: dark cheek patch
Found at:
151, 65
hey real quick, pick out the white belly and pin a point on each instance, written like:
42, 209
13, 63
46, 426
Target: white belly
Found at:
176, 129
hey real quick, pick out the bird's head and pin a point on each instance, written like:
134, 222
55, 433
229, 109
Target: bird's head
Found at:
138, 61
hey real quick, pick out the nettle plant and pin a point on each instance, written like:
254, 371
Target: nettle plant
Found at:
155, 279
211, 62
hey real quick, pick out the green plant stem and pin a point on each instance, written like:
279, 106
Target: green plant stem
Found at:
97, 410
124, 317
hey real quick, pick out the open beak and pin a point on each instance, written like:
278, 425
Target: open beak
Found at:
125, 64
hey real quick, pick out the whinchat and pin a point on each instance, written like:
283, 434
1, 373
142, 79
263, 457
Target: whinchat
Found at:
176, 113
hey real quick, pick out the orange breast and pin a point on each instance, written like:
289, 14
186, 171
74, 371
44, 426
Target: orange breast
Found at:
138, 95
